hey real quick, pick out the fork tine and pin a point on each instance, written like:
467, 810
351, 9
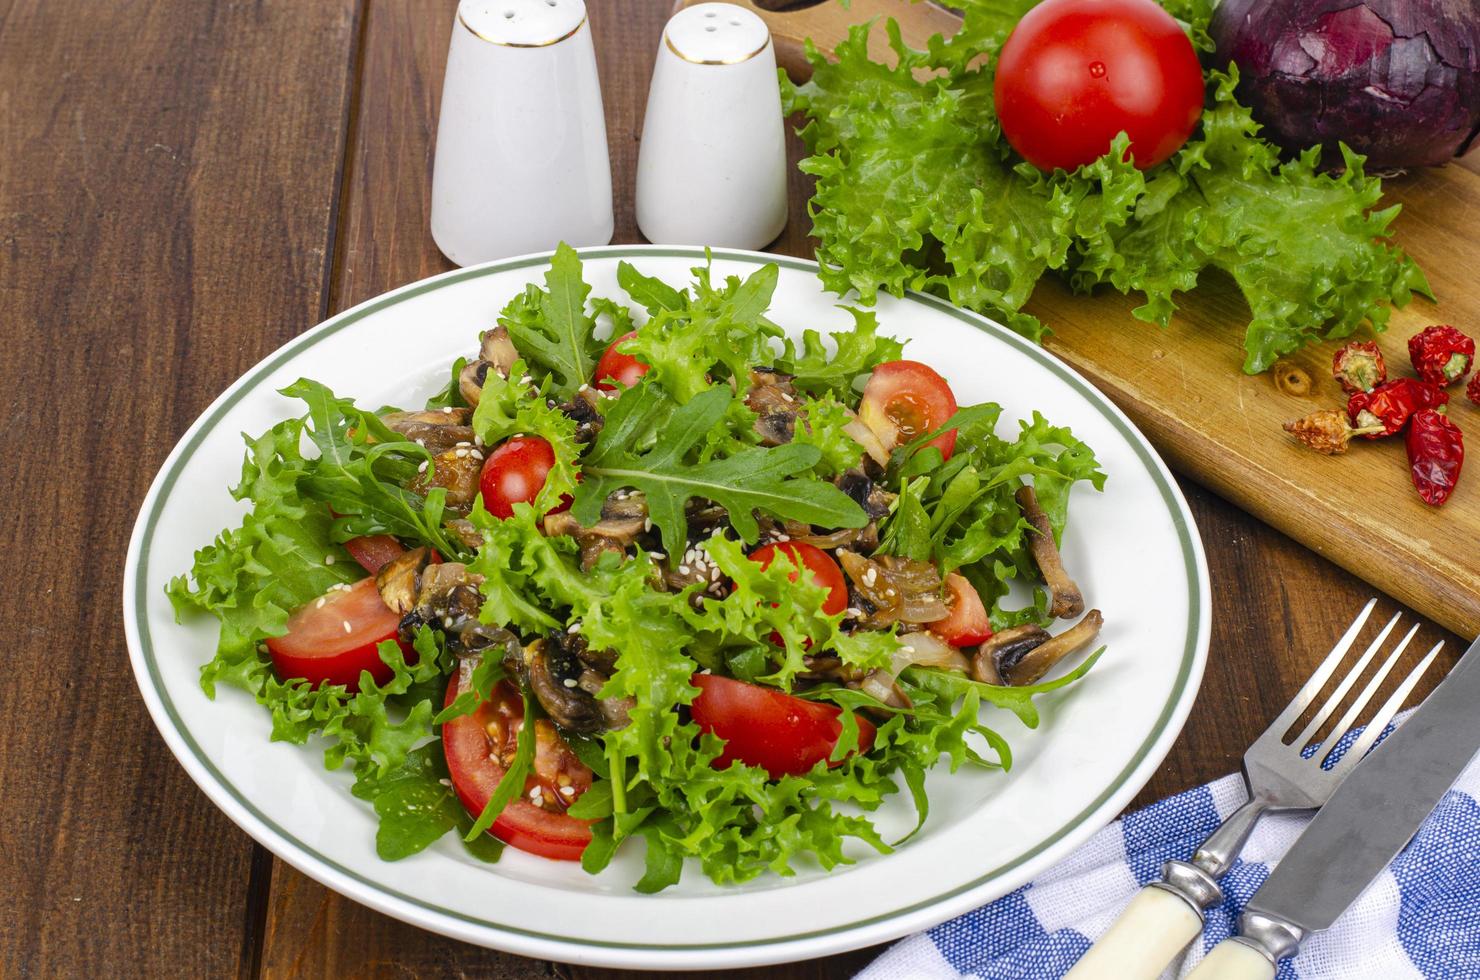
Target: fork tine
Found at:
1322, 673
1349, 718
1351, 678
1385, 714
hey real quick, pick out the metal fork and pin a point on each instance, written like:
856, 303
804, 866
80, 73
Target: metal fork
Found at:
1165, 915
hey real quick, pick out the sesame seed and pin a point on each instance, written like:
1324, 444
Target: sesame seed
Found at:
347, 627
573, 627
683, 569
658, 555
422, 443
328, 559
464, 443
445, 781
567, 791
647, 523
423, 467
447, 410
852, 612
787, 398
869, 577
569, 682
319, 604
447, 622
584, 388
460, 453
524, 379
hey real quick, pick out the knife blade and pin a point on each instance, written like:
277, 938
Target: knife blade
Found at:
1372, 815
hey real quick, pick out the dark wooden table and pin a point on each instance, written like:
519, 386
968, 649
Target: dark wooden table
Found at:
184, 185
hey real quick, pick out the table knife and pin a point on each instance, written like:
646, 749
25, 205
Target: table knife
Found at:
1369, 819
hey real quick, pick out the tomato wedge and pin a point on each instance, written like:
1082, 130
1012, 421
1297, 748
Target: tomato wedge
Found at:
373, 550
906, 399
823, 570
475, 745
616, 370
515, 473
333, 638
967, 625
764, 727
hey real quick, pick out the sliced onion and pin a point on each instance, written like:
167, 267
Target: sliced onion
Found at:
927, 650
864, 436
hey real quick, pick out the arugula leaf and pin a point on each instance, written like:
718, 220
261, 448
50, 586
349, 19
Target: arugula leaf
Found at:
551, 328
360, 472
417, 805
511, 783
652, 294
451, 394
917, 189
751, 479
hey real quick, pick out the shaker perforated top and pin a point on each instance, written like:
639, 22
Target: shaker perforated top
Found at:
522, 23
716, 34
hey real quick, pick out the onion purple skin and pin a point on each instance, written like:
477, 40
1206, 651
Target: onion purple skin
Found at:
1395, 80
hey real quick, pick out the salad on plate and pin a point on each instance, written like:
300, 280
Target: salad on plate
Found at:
650, 570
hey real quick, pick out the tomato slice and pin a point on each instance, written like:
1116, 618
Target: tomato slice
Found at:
333, 638
967, 625
764, 727
906, 399
616, 370
823, 570
475, 746
374, 550
515, 473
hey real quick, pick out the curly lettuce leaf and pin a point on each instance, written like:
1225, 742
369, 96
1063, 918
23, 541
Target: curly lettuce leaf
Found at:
855, 353
917, 189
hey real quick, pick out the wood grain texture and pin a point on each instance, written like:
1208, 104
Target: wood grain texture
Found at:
166, 202
168, 205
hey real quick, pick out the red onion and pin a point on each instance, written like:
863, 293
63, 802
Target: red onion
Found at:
1396, 80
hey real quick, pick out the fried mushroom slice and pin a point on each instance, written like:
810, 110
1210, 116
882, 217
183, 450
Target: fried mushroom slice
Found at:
552, 674
399, 580
456, 471
1022, 655
890, 589
623, 518
1067, 600
438, 432
496, 353
774, 401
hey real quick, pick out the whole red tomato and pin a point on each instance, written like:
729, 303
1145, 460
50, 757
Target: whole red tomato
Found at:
1075, 73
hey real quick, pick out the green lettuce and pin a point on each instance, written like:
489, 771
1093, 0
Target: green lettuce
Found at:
917, 189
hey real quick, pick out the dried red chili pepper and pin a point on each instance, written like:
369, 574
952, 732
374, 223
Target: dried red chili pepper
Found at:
1390, 405
1441, 354
1473, 391
1359, 366
1436, 451
1326, 431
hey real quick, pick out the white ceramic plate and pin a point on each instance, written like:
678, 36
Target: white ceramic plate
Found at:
1134, 550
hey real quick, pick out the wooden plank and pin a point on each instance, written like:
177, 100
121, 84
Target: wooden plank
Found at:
1183, 385
166, 202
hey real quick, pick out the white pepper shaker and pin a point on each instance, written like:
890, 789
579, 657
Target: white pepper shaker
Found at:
712, 166
521, 162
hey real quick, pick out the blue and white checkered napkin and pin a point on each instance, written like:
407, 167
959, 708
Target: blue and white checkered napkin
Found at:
1421, 918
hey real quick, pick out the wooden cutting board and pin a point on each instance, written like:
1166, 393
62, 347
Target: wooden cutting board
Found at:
1183, 385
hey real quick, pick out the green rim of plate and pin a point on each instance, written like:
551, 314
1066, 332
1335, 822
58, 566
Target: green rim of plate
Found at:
346, 319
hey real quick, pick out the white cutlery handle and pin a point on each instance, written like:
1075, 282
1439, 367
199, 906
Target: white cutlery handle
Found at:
1148, 935
1231, 960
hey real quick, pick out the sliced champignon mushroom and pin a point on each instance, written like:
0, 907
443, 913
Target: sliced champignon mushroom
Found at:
547, 669
623, 518
496, 353
456, 471
437, 432
874, 499
774, 401
448, 594
584, 410
1067, 600
1022, 655
399, 579
469, 535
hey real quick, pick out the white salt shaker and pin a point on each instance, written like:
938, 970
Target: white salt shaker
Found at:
521, 162
712, 166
